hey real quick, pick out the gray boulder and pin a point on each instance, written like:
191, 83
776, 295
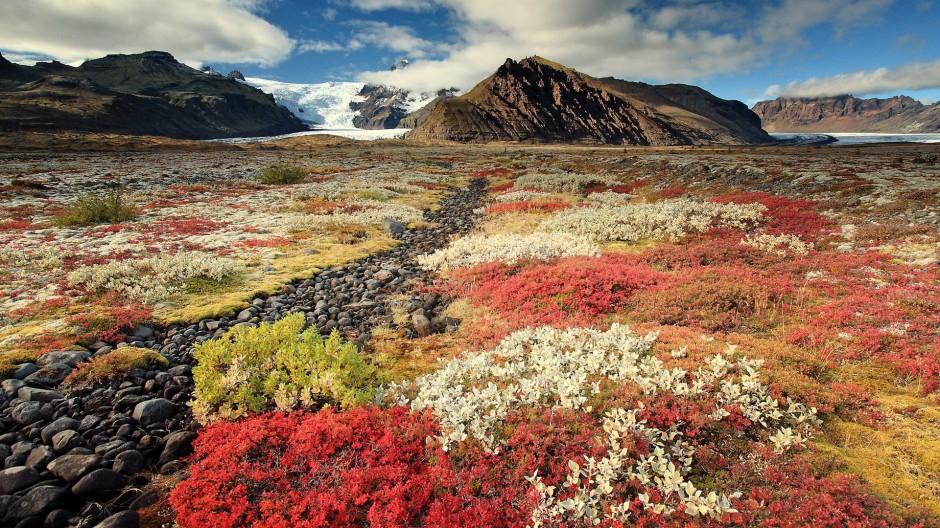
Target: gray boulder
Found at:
70, 468
17, 478
153, 411
37, 501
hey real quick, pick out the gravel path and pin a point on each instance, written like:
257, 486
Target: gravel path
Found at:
83, 458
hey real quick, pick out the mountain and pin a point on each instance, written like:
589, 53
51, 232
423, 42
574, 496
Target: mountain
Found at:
345, 104
147, 93
845, 113
542, 101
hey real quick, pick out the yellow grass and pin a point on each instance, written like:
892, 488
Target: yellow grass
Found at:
900, 460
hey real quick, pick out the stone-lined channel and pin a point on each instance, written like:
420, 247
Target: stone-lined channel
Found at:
83, 458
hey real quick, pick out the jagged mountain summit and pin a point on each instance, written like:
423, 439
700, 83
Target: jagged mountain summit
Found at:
542, 101
146, 93
846, 113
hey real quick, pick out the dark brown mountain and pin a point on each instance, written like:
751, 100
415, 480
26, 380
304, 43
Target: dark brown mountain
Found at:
147, 93
845, 113
542, 101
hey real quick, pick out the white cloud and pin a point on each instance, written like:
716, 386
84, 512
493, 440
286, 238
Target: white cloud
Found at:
319, 46
672, 41
913, 76
378, 5
395, 38
329, 14
194, 31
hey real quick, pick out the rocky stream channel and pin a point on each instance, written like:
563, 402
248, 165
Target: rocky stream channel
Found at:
84, 457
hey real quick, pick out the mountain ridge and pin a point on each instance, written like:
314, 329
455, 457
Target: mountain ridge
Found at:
146, 93
847, 113
539, 100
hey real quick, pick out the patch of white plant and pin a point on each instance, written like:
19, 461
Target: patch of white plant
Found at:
153, 279
509, 248
654, 221
561, 369
561, 182
777, 244
372, 212
610, 198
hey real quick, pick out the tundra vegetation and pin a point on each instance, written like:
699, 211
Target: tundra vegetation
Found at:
650, 337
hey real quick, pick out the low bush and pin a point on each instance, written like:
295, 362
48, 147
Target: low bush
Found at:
526, 207
90, 209
716, 299
114, 365
279, 366
569, 291
507, 248
282, 175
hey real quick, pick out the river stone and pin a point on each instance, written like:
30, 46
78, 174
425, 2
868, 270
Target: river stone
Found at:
67, 440
62, 424
66, 357
50, 375
24, 369
70, 468
40, 395
153, 411
178, 445
37, 501
99, 484
129, 462
27, 412
17, 478
40, 456
125, 519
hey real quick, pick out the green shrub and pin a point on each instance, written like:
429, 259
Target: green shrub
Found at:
282, 174
252, 370
114, 365
90, 209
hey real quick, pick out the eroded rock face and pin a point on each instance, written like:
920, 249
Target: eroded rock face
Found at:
900, 114
538, 100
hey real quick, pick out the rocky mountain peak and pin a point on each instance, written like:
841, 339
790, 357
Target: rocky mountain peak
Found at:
536, 99
847, 113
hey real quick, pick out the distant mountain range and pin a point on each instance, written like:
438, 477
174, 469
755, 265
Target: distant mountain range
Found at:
845, 113
147, 93
533, 100
542, 101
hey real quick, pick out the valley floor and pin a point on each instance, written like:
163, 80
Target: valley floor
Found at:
538, 335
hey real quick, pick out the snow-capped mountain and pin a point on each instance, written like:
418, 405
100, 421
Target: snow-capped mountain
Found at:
344, 105
325, 104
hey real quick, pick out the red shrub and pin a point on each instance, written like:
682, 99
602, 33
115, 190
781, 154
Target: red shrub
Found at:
727, 298
783, 215
496, 189
571, 291
491, 172
673, 192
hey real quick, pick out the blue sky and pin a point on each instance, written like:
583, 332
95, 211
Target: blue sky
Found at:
736, 49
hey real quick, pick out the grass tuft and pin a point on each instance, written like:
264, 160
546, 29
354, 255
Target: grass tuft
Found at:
282, 174
114, 365
90, 209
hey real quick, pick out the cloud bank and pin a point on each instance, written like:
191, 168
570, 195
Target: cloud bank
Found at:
194, 31
681, 40
914, 76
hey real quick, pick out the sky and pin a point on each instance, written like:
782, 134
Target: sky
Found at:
736, 49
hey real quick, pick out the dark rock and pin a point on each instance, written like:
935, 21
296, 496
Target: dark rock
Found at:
62, 424
37, 501
40, 456
49, 376
67, 440
422, 325
125, 519
30, 522
57, 519
393, 227
143, 332
129, 462
146, 499
177, 445
28, 412
24, 369
99, 484
17, 478
40, 395
66, 357
153, 411
70, 468
11, 386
